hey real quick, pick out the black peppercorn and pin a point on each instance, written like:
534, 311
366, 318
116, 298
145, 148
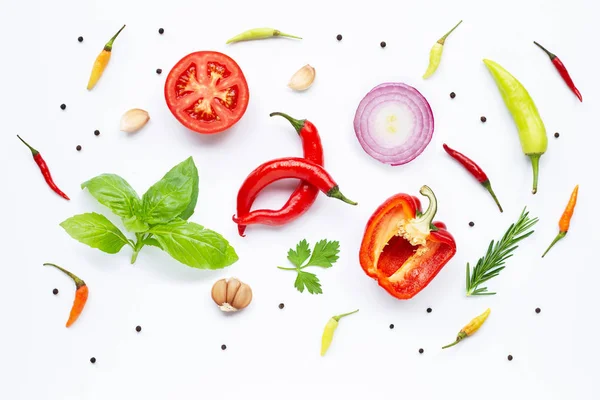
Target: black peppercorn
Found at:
55, 291
483, 119
471, 224
281, 305
138, 328
452, 95
158, 71
339, 37
538, 310
382, 44
93, 360
80, 39
510, 357
78, 148
429, 309
63, 106
556, 134
391, 326
421, 351
161, 31
223, 347
97, 132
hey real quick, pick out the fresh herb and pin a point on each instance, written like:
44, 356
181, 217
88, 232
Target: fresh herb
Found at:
158, 219
324, 255
493, 262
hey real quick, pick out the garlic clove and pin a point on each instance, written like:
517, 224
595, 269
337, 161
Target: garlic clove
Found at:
232, 287
219, 292
303, 78
243, 297
134, 120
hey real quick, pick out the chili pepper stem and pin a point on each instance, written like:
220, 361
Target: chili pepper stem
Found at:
461, 336
443, 38
335, 193
488, 186
297, 124
338, 317
535, 163
551, 55
34, 152
556, 239
279, 33
78, 282
109, 44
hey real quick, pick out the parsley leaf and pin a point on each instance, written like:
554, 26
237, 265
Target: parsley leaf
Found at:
325, 254
308, 280
300, 255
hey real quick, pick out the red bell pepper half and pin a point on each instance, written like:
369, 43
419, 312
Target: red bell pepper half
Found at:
402, 248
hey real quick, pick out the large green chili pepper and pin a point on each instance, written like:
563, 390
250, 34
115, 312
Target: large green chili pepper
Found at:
330, 328
435, 54
259, 33
532, 132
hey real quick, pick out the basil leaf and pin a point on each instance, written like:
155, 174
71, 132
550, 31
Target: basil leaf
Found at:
152, 242
135, 225
115, 193
187, 213
170, 196
192, 245
96, 231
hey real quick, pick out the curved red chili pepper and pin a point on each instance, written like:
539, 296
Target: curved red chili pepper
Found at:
387, 255
562, 70
81, 295
300, 200
37, 157
285, 168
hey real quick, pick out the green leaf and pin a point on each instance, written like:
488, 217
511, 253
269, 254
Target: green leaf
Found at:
115, 193
135, 225
171, 196
187, 213
150, 241
192, 245
300, 255
325, 254
96, 231
308, 280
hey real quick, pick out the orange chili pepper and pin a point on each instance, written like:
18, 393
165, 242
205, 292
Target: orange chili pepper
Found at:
565, 219
81, 295
102, 61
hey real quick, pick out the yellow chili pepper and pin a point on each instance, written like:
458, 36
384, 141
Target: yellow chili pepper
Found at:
330, 328
470, 328
565, 219
102, 61
435, 54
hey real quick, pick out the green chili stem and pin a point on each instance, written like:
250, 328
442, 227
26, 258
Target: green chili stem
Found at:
443, 38
338, 317
34, 152
279, 33
461, 335
297, 124
556, 239
535, 163
109, 44
551, 55
336, 194
488, 186
78, 282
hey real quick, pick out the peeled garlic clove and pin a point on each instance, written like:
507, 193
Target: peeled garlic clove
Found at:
243, 297
303, 78
134, 120
219, 291
232, 287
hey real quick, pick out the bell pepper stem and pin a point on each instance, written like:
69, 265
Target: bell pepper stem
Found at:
488, 186
338, 317
443, 38
556, 239
425, 220
109, 44
335, 193
535, 163
34, 152
297, 124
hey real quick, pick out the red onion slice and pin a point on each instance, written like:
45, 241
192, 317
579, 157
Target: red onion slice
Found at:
394, 123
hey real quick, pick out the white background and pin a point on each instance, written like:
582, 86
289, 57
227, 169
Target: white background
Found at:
273, 353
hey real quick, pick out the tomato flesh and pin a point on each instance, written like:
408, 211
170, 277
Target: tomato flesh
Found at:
207, 92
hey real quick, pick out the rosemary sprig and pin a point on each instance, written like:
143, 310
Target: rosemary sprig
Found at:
497, 253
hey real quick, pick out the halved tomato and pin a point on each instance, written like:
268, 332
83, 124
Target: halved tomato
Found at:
207, 92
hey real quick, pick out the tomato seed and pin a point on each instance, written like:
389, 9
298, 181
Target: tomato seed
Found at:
158, 71
63, 106
391, 326
55, 291
452, 95
281, 305
556, 134
161, 31
78, 148
339, 37
97, 132
483, 119
223, 347
80, 39
382, 44
93, 360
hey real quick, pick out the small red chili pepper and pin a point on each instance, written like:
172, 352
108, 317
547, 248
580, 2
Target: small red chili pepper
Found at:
37, 157
402, 248
474, 169
562, 70
81, 295
285, 168
300, 200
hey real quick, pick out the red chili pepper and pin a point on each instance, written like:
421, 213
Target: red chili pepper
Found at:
401, 248
44, 168
475, 170
562, 70
285, 168
81, 295
300, 200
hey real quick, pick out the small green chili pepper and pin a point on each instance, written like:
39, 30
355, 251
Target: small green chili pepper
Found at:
435, 54
330, 328
259, 33
532, 131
